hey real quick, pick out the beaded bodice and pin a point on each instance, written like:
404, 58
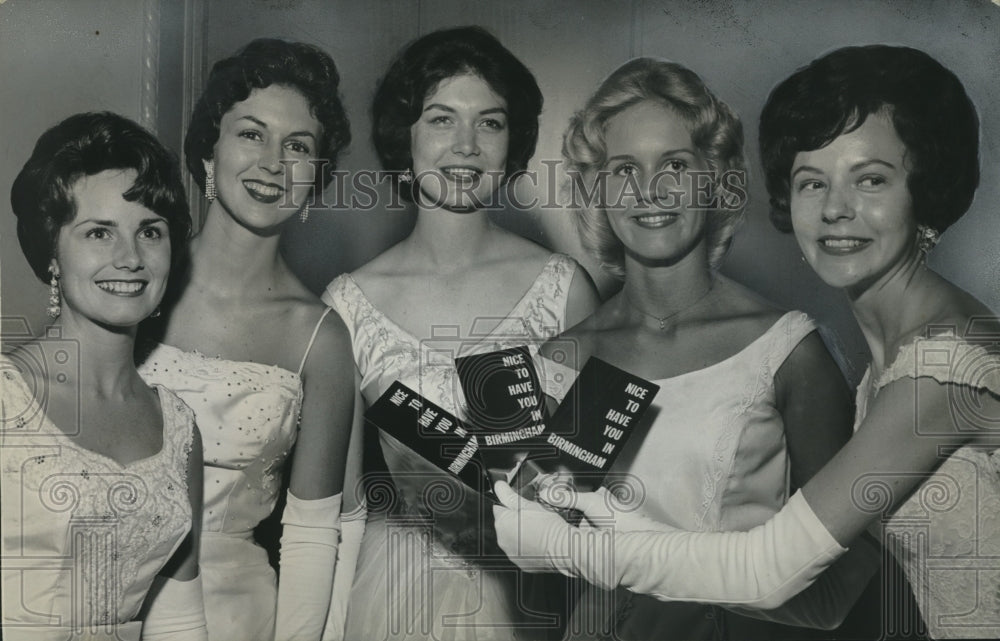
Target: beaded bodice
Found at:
84, 536
248, 414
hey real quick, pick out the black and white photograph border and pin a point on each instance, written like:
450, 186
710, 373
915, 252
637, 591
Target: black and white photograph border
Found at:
149, 59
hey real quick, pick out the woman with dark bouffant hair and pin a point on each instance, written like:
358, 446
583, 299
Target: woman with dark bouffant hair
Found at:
256, 355
455, 119
870, 154
102, 474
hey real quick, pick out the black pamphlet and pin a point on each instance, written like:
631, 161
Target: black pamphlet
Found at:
507, 423
505, 406
431, 432
588, 430
583, 437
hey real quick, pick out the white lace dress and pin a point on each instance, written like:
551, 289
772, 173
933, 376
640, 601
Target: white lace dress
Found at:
416, 580
946, 535
82, 536
708, 456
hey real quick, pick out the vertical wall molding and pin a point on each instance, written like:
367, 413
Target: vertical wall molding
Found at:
149, 88
193, 82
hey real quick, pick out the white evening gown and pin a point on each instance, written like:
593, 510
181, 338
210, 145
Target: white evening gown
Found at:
709, 455
82, 536
248, 415
417, 580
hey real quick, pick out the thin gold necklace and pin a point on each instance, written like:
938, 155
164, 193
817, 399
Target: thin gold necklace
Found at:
662, 320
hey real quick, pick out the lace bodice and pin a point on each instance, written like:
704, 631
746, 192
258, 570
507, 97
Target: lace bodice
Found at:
710, 451
385, 352
248, 414
83, 536
946, 535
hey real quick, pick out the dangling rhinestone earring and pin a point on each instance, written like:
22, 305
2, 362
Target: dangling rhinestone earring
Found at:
210, 180
304, 213
927, 238
55, 300
406, 176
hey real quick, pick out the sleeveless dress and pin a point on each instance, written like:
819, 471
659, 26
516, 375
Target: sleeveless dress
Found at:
709, 455
946, 535
248, 415
413, 580
83, 537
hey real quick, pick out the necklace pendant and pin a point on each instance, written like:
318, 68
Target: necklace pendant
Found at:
663, 323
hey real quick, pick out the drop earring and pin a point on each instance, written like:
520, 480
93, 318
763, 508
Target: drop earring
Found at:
304, 213
210, 180
406, 176
927, 238
55, 299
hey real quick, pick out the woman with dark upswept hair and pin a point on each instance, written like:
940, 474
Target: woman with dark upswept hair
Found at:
870, 154
455, 119
102, 474
258, 357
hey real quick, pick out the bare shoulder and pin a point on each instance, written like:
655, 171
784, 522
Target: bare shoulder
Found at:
744, 311
330, 349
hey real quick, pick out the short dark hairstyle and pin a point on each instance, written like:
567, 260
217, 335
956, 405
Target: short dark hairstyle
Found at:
423, 64
834, 94
84, 145
262, 63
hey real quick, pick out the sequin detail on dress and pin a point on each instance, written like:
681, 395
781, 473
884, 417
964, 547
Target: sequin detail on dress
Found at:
89, 533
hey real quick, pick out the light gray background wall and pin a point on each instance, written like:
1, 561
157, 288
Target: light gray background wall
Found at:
54, 64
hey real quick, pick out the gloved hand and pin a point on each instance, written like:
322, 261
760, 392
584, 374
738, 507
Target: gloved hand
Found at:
761, 568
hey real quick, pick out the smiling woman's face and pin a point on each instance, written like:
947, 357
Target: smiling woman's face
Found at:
651, 202
851, 208
459, 144
262, 138
114, 256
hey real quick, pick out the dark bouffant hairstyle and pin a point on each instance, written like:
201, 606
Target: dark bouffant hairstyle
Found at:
262, 63
833, 95
440, 55
84, 145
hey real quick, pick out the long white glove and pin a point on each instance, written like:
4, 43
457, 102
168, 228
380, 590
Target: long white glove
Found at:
309, 537
352, 530
827, 602
177, 612
823, 605
761, 568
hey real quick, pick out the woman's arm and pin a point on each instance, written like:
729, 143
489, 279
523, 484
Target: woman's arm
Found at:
311, 521
354, 514
815, 406
895, 449
175, 607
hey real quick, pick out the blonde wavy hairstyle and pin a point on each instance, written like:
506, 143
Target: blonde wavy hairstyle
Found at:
716, 133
